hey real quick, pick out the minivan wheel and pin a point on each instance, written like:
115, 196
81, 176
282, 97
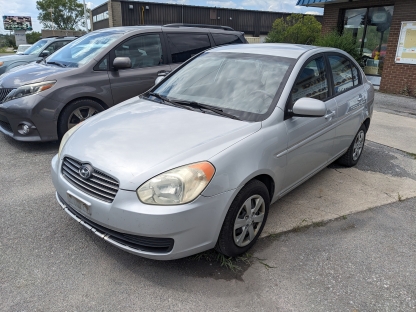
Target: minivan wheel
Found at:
353, 154
76, 112
245, 219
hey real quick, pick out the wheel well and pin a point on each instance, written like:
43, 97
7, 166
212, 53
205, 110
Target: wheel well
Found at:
268, 181
367, 123
83, 98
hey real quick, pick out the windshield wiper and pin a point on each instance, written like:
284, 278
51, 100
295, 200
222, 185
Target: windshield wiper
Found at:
56, 63
201, 106
164, 99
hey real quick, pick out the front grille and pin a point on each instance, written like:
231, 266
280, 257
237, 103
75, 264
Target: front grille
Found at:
6, 126
144, 243
4, 92
99, 185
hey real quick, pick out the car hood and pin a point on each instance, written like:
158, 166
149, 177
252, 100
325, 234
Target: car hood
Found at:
30, 73
18, 57
139, 139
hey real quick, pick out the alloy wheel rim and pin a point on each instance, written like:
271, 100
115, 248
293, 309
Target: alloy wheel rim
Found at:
358, 145
249, 220
80, 114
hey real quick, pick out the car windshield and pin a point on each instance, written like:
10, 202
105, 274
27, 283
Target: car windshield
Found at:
37, 47
240, 84
82, 50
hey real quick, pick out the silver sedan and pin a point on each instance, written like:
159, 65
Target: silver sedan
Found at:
196, 162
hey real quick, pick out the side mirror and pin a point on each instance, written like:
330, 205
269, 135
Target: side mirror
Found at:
159, 79
121, 63
44, 53
307, 107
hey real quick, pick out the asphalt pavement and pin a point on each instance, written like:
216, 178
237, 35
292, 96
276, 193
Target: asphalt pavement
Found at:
357, 262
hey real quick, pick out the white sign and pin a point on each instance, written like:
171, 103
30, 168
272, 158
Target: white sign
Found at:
20, 36
406, 48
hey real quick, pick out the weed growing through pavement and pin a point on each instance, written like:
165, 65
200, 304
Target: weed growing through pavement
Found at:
399, 197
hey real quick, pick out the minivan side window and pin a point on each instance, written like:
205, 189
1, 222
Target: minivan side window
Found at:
143, 51
221, 39
55, 46
311, 82
184, 46
342, 73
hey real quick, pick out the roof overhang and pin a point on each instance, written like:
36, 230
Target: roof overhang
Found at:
320, 3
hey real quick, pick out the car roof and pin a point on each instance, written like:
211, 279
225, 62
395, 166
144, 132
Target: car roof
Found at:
274, 49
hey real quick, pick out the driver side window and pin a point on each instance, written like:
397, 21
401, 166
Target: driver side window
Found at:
143, 51
311, 82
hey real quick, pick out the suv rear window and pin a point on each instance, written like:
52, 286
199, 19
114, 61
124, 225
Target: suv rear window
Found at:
184, 46
221, 39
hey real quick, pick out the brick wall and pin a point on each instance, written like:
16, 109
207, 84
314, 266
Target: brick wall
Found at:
396, 77
116, 14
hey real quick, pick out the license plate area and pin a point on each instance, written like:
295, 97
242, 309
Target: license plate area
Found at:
78, 203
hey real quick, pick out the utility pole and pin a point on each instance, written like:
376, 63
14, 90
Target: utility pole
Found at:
51, 11
85, 17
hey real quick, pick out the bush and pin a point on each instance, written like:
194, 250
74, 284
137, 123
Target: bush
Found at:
296, 28
345, 42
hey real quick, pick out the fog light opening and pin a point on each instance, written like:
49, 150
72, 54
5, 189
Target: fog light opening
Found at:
24, 128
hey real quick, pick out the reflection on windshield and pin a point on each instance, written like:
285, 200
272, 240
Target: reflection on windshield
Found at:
82, 50
244, 83
36, 48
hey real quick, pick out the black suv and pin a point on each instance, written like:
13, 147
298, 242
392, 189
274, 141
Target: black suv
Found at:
37, 52
41, 101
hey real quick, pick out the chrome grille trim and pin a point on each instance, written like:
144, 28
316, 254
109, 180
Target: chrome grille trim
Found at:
100, 185
4, 92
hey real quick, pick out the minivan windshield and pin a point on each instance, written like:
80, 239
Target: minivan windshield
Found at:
82, 50
36, 48
240, 84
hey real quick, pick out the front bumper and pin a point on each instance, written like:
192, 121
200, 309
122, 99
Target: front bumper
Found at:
34, 111
192, 228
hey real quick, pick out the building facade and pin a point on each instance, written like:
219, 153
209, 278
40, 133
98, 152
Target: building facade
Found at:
130, 13
385, 32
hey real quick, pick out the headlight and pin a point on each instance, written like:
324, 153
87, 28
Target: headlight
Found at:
29, 89
177, 186
66, 136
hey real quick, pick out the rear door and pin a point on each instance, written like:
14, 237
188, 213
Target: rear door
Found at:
310, 139
148, 58
182, 46
350, 96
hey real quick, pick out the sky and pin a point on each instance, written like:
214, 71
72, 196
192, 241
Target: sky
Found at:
28, 7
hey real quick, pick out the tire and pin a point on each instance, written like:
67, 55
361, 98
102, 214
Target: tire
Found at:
233, 242
354, 152
69, 116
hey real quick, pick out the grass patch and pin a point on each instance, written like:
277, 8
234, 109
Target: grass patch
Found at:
411, 155
229, 263
5, 50
399, 197
344, 217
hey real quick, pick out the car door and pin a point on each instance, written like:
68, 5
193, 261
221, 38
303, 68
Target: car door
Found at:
310, 139
182, 46
350, 97
147, 56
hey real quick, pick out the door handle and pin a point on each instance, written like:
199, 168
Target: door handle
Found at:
327, 116
361, 98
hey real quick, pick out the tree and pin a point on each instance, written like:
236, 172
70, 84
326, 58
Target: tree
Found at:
66, 15
33, 36
296, 28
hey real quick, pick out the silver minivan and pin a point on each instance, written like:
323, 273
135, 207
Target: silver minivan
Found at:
40, 102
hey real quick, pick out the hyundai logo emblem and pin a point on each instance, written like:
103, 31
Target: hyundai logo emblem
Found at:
86, 171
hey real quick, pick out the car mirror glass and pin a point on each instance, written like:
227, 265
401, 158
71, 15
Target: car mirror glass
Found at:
308, 107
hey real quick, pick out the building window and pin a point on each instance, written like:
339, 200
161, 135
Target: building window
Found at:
371, 28
100, 17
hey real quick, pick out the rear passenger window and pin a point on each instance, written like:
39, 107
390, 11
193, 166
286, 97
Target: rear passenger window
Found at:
342, 73
184, 46
311, 82
221, 39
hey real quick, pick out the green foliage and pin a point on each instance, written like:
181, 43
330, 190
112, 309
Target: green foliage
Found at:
296, 28
67, 14
344, 42
33, 36
7, 41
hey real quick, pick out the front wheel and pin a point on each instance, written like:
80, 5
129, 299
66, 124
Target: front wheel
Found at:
353, 154
245, 219
76, 112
